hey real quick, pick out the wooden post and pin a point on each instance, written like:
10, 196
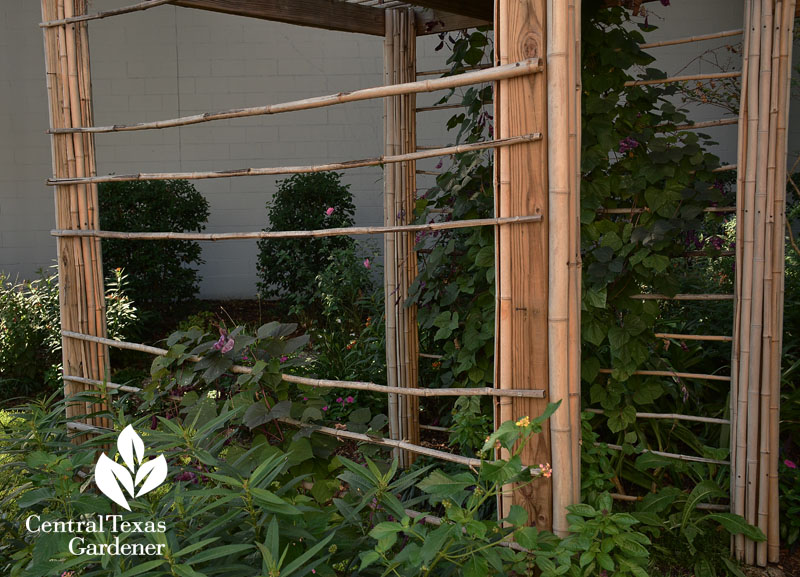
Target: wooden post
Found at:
522, 251
400, 264
81, 292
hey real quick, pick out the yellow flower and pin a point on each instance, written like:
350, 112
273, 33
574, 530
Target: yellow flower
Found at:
523, 422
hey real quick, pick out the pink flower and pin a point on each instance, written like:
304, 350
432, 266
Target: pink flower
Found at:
284, 358
330, 210
325, 408
339, 399
305, 398
224, 344
366, 263
350, 399
790, 464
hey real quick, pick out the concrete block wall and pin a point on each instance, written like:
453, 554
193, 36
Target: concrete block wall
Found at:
173, 61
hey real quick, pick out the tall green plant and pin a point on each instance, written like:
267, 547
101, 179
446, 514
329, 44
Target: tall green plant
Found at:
288, 268
161, 272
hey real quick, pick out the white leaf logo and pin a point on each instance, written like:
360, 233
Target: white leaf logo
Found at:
111, 477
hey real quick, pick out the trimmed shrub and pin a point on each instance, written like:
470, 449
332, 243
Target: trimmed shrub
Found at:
161, 272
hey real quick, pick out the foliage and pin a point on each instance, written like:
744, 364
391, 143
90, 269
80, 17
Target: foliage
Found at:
789, 479
287, 268
161, 272
30, 335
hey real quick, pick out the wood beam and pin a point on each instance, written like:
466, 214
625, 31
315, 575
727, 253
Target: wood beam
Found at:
477, 9
435, 21
326, 14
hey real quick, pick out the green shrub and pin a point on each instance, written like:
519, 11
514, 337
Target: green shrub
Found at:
30, 339
287, 268
161, 272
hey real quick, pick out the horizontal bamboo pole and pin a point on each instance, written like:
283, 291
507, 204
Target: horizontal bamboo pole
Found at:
325, 232
684, 297
640, 210
687, 78
442, 71
492, 74
701, 506
693, 337
700, 38
677, 456
700, 376
708, 124
434, 428
327, 383
100, 15
429, 172
440, 107
726, 168
670, 417
108, 385
403, 445
384, 159
430, 356
84, 428
715, 254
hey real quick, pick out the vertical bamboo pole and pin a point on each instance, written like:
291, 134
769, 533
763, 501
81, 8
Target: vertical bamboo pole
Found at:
389, 263
574, 344
411, 268
757, 307
785, 73
559, 96
768, 304
523, 249
746, 205
81, 294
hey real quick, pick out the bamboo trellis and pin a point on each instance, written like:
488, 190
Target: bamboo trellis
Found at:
537, 237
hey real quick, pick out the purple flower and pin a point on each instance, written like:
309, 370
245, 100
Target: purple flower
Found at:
627, 144
325, 408
225, 343
350, 399
339, 399
284, 358
790, 464
366, 263
330, 210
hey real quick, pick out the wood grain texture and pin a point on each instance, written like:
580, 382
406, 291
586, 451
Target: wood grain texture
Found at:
326, 14
522, 349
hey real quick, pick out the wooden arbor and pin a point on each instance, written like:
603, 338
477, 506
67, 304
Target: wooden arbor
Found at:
537, 144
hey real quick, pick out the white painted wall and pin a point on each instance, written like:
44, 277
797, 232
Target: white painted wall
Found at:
172, 61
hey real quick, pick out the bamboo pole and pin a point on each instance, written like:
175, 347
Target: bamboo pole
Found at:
698, 38
443, 71
677, 456
329, 384
509, 70
385, 159
745, 297
575, 264
640, 210
686, 78
559, 176
700, 506
685, 337
389, 240
100, 15
708, 124
683, 297
325, 232
674, 374
81, 295
778, 248
439, 107
671, 417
